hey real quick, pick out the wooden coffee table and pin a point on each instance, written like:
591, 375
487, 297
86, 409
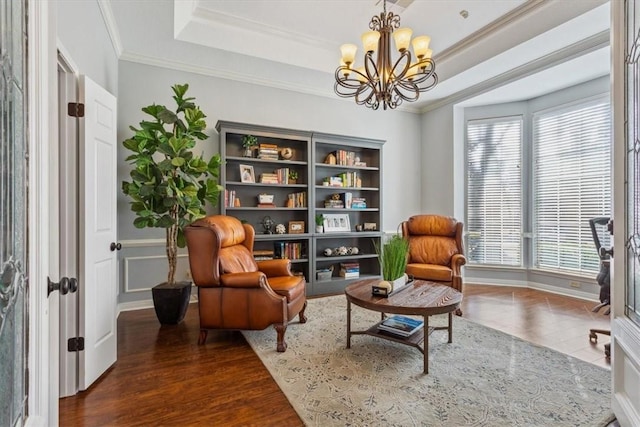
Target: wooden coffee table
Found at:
420, 297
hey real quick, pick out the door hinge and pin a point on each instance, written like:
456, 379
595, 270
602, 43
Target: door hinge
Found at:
75, 344
75, 109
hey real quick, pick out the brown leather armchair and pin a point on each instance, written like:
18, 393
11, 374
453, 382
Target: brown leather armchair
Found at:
436, 252
234, 291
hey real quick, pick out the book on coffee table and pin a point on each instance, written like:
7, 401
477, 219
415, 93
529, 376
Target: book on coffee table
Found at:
401, 325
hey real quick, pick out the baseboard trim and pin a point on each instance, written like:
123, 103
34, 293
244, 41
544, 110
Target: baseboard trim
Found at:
144, 304
534, 285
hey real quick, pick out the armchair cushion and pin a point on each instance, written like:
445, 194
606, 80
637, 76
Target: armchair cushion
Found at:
438, 273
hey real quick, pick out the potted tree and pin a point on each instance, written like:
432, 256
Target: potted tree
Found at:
393, 258
170, 185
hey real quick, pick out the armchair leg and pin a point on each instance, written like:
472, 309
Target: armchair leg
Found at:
303, 318
203, 336
281, 329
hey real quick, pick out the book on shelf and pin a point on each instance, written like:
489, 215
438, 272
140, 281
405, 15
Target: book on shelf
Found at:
358, 203
266, 205
349, 270
262, 255
401, 325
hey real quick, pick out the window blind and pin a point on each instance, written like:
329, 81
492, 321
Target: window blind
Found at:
494, 191
572, 184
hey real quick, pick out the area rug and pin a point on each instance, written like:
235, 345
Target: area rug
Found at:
484, 378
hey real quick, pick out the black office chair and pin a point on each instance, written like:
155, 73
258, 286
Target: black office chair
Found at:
599, 228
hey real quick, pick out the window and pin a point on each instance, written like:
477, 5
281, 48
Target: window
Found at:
572, 184
494, 191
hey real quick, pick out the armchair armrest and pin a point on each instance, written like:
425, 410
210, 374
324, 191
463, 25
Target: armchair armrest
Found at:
252, 279
275, 267
457, 261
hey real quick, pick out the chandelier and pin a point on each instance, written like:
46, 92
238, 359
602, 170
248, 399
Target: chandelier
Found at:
381, 80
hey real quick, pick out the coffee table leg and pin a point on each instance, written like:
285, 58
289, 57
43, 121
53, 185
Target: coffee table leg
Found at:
348, 324
450, 327
426, 344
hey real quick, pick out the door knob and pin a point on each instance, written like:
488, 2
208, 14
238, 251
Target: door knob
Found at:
115, 246
65, 285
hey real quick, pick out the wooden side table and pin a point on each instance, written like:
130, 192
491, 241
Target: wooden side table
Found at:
419, 298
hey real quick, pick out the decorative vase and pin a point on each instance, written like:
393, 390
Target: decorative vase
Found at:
247, 152
171, 302
319, 228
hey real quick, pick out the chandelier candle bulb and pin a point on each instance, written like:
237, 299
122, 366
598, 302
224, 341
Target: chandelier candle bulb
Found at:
402, 37
348, 53
370, 41
421, 46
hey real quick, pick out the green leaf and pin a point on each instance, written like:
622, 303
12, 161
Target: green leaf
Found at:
140, 222
165, 221
137, 207
131, 144
177, 162
137, 175
180, 90
146, 190
154, 110
167, 116
182, 242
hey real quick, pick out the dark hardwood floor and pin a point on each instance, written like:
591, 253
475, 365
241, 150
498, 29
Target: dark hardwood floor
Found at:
163, 378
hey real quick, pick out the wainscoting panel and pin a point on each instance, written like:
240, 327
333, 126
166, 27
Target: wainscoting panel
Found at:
141, 273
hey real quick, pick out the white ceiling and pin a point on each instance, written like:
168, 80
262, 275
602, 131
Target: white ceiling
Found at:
294, 44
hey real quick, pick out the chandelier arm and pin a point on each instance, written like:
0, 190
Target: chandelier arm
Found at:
405, 55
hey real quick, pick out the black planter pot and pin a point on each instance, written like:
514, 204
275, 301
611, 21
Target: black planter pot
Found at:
171, 302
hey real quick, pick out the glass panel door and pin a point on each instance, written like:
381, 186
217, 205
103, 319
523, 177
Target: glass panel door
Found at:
632, 214
13, 214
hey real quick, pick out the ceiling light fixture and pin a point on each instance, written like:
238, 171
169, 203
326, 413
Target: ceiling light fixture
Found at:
380, 80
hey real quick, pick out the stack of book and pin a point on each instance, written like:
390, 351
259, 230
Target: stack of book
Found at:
262, 255
349, 270
401, 325
268, 151
333, 204
269, 178
358, 203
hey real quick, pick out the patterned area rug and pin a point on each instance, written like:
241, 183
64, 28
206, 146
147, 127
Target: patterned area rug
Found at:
484, 378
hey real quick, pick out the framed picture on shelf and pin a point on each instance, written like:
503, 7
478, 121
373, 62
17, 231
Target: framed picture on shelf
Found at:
336, 223
247, 174
296, 227
370, 226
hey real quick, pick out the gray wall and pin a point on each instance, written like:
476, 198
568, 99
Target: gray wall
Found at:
443, 160
220, 99
82, 34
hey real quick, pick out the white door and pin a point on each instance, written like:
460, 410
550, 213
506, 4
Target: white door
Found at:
625, 291
98, 260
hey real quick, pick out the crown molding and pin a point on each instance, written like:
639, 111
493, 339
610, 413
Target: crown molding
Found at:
209, 17
112, 27
590, 44
520, 12
244, 78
